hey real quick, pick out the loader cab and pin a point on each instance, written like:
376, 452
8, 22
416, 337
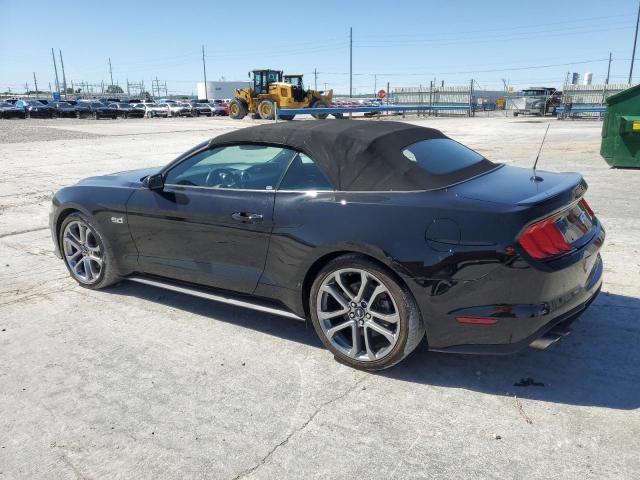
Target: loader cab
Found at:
263, 78
297, 87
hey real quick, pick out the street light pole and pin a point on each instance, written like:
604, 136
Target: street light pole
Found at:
350, 62
204, 69
55, 69
635, 40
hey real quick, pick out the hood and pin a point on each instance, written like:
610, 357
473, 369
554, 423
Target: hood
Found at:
131, 178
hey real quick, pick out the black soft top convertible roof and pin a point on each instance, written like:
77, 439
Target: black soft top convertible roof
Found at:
358, 155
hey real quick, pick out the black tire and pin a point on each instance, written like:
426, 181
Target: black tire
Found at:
266, 109
515, 114
410, 326
255, 116
107, 275
196, 113
114, 117
286, 117
320, 104
338, 115
237, 109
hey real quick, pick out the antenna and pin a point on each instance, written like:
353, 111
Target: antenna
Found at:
535, 177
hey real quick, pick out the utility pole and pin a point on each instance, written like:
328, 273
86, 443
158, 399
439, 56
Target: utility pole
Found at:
55, 69
110, 71
635, 40
36, 84
375, 84
64, 77
350, 62
606, 82
315, 74
204, 69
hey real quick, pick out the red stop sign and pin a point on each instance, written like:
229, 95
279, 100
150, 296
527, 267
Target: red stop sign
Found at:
382, 94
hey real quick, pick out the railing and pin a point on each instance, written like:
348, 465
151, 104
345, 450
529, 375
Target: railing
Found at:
575, 111
372, 110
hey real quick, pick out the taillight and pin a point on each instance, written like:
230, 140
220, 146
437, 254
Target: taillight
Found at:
544, 239
586, 206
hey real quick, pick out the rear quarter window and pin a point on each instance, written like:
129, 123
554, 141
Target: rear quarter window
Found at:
441, 156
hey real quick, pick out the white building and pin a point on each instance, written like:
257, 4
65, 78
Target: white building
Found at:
219, 90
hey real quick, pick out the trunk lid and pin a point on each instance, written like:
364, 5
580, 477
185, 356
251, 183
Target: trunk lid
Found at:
514, 186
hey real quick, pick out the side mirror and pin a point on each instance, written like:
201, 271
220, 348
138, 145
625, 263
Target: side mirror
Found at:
153, 182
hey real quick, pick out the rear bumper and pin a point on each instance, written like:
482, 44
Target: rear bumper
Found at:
569, 311
524, 301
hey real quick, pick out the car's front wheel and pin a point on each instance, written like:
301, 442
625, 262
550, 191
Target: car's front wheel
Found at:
363, 314
86, 252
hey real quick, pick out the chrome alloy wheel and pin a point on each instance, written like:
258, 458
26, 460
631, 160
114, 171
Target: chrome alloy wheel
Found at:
358, 314
82, 252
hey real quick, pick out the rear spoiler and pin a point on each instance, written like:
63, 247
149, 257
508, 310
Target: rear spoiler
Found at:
574, 182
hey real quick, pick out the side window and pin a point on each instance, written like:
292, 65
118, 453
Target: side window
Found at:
254, 167
303, 174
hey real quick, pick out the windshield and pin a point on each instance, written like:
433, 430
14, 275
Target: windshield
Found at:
64, 104
5, 104
34, 103
532, 93
96, 104
440, 156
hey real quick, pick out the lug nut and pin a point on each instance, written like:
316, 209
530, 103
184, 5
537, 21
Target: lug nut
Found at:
353, 304
368, 315
363, 304
352, 315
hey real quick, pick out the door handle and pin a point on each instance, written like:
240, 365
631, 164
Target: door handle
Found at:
247, 217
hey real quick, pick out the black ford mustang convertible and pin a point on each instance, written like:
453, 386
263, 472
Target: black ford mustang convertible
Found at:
380, 233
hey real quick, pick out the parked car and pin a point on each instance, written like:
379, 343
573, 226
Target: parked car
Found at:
153, 110
390, 232
127, 110
175, 109
219, 107
63, 109
35, 109
198, 108
8, 110
95, 109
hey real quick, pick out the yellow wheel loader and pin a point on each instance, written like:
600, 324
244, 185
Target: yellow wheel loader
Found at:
271, 90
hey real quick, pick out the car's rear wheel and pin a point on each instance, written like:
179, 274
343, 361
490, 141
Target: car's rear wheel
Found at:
363, 315
86, 252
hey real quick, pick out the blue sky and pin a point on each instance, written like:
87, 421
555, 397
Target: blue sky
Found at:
402, 42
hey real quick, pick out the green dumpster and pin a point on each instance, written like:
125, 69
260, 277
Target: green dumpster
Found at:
621, 129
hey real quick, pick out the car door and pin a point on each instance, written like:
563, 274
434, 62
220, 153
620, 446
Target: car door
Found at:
211, 222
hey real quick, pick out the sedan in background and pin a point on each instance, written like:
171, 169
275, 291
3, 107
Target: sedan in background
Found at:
219, 107
382, 235
153, 110
8, 110
63, 109
198, 109
95, 109
127, 110
35, 109
175, 109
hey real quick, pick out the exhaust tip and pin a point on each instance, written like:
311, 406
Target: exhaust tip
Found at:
545, 341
